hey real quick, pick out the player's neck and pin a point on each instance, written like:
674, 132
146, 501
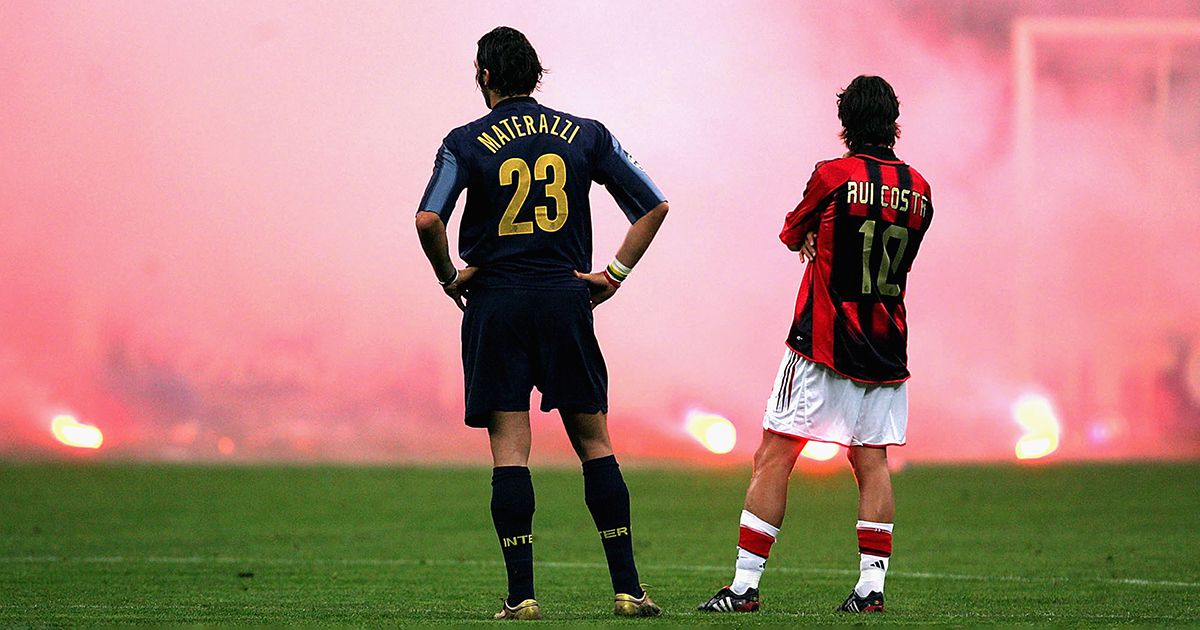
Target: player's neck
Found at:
495, 99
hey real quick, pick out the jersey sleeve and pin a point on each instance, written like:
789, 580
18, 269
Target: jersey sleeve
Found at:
804, 218
616, 170
445, 185
926, 220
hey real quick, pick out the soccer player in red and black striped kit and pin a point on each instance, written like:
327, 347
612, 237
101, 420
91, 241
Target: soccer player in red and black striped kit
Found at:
842, 378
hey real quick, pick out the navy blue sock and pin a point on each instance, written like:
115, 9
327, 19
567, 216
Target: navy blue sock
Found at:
607, 498
512, 514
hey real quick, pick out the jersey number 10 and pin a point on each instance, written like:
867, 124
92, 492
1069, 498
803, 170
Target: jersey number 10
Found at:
518, 168
888, 265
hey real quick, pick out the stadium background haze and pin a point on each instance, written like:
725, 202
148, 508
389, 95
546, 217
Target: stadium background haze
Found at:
206, 223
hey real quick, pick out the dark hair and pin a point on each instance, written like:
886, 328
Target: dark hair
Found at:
868, 109
512, 63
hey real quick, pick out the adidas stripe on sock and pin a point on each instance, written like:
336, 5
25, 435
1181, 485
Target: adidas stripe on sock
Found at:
875, 552
755, 537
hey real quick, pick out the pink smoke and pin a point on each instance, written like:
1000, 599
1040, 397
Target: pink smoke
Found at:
205, 213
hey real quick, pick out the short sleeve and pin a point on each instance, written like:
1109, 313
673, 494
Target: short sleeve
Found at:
445, 185
804, 218
616, 170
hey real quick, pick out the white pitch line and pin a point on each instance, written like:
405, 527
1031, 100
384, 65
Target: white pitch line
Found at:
567, 565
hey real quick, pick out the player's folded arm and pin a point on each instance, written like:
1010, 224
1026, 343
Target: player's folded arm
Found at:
804, 218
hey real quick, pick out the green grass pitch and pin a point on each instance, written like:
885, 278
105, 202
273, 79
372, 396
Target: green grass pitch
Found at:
132, 543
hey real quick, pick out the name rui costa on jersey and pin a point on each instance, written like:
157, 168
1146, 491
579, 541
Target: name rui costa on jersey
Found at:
521, 126
900, 199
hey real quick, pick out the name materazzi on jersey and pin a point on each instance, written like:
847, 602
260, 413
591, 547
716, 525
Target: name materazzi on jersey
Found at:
521, 126
900, 199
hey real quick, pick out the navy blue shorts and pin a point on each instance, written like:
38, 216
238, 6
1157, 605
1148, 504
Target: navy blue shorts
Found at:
516, 339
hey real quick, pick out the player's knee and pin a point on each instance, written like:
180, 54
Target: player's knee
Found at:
867, 459
594, 450
588, 434
591, 445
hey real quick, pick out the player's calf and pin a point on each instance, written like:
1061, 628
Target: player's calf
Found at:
607, 498
512, 515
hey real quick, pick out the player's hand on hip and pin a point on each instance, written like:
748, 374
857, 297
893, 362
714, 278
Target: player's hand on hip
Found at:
808, 251
459, 289
599, 286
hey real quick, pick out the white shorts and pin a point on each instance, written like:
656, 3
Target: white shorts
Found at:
812, 402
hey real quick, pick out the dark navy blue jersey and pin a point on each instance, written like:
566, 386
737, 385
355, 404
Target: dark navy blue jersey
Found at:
527, 170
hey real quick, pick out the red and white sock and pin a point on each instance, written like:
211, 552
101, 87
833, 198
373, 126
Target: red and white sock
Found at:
875, 551
755, 537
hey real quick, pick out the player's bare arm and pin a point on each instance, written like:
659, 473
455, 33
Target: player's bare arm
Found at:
432, 232
637, 241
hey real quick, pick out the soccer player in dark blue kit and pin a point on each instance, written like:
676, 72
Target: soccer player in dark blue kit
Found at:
527, 294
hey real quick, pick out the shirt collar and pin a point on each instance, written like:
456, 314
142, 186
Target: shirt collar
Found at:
513, 100
879, 153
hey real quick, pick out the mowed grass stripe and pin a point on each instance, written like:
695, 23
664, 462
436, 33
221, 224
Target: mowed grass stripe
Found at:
594, 566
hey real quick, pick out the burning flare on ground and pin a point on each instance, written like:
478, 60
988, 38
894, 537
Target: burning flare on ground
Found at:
713, 432
69, 431
1036, 416
820, 451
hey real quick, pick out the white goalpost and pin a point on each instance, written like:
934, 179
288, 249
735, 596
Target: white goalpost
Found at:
1026, 34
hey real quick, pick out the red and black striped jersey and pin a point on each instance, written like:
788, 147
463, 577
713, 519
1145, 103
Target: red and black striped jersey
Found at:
870, 212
